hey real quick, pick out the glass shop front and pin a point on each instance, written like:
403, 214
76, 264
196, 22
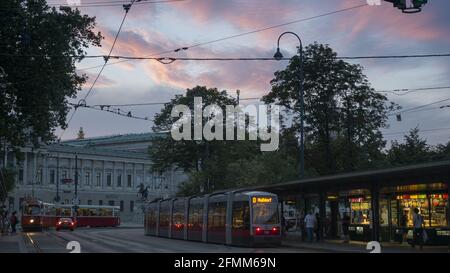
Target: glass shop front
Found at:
396, 215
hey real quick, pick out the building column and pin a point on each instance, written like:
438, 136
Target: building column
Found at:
448, 203
81, 178
103, 180
124, 176
322, 212
25, 168
113, 178
133, 179
34, 168
16, 178
375, 221
45, 170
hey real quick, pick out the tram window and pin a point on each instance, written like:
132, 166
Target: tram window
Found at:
33, 210
152, 215
217, 215
265, 213
241, 215
164, 215
178, 213
196, 215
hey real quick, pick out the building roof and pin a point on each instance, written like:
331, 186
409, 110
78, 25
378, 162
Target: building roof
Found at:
417, 173
64, 148
114, 139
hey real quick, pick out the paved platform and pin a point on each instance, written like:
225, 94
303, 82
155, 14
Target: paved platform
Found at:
12, 243
339, 246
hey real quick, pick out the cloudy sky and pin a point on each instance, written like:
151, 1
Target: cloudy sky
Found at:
151, 28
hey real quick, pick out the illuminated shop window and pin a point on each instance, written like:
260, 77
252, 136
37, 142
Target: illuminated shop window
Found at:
360, 211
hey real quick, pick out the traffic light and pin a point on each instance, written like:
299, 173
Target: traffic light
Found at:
410, 6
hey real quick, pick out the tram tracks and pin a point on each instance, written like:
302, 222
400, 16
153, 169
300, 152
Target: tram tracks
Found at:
33, 243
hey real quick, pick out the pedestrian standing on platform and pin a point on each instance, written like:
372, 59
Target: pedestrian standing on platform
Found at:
318, 227
345, 226
13, 221
404, 226
310, 224
418, 229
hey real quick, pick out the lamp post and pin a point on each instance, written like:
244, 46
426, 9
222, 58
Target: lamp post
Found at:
279, 56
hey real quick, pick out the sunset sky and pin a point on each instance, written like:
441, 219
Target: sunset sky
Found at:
154, 27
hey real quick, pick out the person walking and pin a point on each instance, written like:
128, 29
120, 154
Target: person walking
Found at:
418, 229
310, 224
13, 221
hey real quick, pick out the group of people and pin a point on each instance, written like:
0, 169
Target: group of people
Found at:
311, 227
8, 222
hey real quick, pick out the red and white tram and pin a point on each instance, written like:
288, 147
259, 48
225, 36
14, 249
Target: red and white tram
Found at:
246, 218
37, 215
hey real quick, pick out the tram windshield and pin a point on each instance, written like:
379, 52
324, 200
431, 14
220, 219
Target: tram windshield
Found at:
265, 210
32, 210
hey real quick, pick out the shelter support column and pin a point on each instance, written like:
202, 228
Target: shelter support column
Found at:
322, 212
448, 205
375, 209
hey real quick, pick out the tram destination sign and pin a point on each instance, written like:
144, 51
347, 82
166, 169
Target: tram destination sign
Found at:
261, 200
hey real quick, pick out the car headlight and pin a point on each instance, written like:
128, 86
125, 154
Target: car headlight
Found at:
31, 221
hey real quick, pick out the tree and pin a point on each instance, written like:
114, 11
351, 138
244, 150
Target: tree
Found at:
6, 182
343, 114
204, 160
39, 48
442, 152
414, 150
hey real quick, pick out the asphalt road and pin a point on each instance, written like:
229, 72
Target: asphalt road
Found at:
130, 240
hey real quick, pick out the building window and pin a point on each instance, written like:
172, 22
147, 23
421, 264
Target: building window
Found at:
39, 177
98, 180
87, 178
89, 202
111, 202
121, 205
100, 202
52, 177
108, 179
158, 181
119, 180
64, 174
21, 176
131, 206
129, 181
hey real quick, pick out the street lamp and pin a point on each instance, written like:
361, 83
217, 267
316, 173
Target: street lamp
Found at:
278, 56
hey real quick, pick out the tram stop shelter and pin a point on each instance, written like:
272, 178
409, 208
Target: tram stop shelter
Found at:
379, 202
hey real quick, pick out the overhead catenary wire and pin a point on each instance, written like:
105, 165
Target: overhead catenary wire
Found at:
420, 106
112, 108
106, 4
172, 59
126, 8
259, 98
420, 131
239, 35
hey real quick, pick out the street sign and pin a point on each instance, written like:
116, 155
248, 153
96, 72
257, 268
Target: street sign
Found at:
75, 201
